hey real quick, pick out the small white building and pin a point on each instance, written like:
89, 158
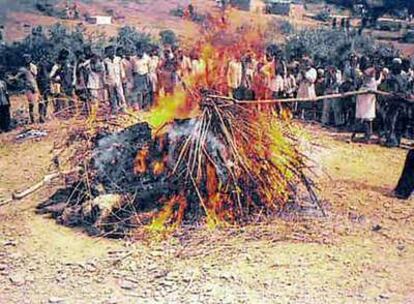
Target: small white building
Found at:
100, 20
258, 6
293, 8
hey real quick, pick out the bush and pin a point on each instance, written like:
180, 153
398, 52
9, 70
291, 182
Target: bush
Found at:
168, 37
178, 12
130, 39
287, 28
43, 43
328, 45
275, 27
408, 37
323, 16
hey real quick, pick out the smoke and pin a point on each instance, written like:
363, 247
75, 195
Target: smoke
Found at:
178, 131
113, 157
213, 145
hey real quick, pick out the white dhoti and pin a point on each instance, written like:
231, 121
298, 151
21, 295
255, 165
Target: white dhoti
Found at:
306, 90
365, 107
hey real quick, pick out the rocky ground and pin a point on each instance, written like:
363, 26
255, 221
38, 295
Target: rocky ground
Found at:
361, 252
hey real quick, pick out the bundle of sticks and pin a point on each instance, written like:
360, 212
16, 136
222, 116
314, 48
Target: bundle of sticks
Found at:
227, 164
239, 161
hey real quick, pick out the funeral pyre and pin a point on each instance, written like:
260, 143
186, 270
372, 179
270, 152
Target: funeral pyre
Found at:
226, 165
197, 157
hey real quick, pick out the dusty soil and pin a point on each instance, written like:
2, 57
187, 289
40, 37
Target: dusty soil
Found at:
361, 252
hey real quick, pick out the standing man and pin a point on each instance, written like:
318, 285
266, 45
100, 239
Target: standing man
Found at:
28, 75
4, 105
198, 65
114, 73
64, 72
395, 118
306, 79
248, 71
290, 83
81, 67
333, 81
365, 110
43, 81
96, 80
128, 76
154, 63
142, 87
351, 81
168, 72
184, 64
234, 76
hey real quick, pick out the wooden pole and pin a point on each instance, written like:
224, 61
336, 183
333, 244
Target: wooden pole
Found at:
47, 179
319, 98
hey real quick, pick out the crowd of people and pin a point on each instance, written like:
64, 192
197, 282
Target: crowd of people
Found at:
123, 79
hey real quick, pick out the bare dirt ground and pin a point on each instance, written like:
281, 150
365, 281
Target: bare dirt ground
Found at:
362, 252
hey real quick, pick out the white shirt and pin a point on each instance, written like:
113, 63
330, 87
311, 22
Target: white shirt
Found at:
114, 71
234, 74
154, 62
307, 84
198, 67
141, 65
311, 75
277, 84
95, 78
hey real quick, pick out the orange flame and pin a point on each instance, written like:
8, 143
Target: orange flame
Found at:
209, 66
140, 162
221, 41
173, 212
158, 167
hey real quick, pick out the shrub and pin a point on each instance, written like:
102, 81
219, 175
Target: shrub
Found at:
287, 28
178, 12
130, 39
47, 43
328, 45
42, 43
168, 37
323, 16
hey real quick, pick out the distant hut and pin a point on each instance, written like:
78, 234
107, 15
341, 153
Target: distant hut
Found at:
291, 8
100, 20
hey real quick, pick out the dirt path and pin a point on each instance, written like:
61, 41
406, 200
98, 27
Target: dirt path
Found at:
361, 253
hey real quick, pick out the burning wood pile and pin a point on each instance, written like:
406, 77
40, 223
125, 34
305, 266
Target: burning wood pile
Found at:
228, 164
200, 158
